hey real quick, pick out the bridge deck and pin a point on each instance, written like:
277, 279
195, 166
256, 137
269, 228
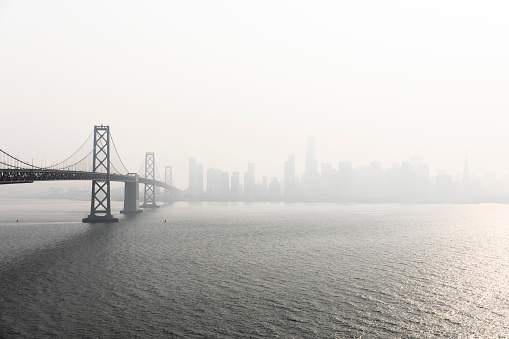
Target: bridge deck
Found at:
12, 176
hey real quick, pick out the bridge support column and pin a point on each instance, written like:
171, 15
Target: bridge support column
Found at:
149, 200
100, 210
132, 196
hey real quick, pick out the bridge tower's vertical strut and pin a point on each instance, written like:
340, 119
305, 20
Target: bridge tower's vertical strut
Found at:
168, 178
100, 209
150, 193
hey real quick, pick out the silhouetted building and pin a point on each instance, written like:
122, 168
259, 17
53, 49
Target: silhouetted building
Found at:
225, 186
329, 182
195, 178
289, 179
345, 179
249, 183
213, 183
310, 178
444, 191
274, 190
235, 186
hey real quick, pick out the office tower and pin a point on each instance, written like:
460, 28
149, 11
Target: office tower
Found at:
225, 185
290, 170
235, 186
289, 179
329, 183
311, 178
345, 179
214, 183
249, 183
274, 190
444, 187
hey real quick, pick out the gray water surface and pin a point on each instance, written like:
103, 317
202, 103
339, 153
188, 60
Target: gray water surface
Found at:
255, 270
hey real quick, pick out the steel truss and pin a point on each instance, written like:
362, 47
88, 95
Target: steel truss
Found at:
100, 208
149, 199
168, 179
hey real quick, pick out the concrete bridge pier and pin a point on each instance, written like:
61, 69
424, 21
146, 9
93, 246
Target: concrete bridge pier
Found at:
132, 196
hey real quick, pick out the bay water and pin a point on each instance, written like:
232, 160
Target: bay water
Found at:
255, 270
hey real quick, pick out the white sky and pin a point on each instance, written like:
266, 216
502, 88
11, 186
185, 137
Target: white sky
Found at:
232, 82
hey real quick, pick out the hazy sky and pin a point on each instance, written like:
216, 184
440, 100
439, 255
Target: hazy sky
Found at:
232, 82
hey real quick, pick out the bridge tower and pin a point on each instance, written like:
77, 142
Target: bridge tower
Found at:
149, 200
168, 178
100, 209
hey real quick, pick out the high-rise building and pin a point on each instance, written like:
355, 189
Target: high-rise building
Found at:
345, 180
213, 183
311, 178
235, 186
195, 177
249, 183
289, 179
274, 190
225, 186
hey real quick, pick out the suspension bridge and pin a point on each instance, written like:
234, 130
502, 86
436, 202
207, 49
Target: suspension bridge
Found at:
100, 165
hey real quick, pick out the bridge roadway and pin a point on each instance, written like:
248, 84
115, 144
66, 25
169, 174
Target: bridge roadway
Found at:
26, 176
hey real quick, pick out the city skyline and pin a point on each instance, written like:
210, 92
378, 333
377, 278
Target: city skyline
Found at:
405, 181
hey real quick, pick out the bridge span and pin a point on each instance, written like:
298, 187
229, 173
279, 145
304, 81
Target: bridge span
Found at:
95, 166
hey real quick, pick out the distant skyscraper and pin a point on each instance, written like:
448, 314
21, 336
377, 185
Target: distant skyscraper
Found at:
213, 183
195, 177
225, 185
311, 178
249, 183
235, 186
274, 190
289, 179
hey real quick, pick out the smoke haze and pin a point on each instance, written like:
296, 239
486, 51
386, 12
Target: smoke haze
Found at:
231, 83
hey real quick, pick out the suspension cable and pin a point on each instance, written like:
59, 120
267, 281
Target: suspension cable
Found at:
69, 157
157, 170
49, 167
20, 161
141, 167
13, 167
118, 155
77, 162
